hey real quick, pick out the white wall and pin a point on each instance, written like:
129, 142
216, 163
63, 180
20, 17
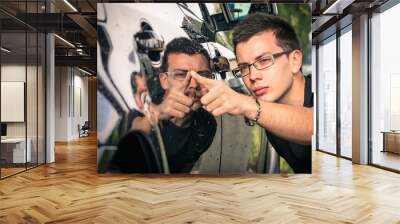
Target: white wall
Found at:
16, 73
71, 94
33, 126
12, 73
62, 81
80, 84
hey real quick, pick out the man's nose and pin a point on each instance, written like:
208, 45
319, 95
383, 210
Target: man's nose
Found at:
193, 84
254, 73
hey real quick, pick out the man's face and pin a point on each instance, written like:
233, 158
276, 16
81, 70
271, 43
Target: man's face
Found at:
185, 62
272, 83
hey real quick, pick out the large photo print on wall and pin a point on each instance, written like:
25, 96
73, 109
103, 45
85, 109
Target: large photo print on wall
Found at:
204, 88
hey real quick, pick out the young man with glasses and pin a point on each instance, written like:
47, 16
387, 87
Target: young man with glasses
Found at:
187, 129
269, 62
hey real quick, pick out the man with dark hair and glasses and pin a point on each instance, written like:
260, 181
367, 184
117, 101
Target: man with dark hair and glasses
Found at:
187, 129
269, 62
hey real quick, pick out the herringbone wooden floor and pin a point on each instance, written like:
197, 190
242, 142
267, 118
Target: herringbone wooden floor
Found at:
70, 191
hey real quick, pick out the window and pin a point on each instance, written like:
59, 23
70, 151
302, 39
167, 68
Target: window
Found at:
327, 95
385, 89
346, 92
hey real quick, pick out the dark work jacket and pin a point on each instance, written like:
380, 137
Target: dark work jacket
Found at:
298, 156
184, 146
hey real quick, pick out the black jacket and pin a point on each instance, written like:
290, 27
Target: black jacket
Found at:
184, 146
298, 156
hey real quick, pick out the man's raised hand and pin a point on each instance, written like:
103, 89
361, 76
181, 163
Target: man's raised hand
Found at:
175, 103
220, 98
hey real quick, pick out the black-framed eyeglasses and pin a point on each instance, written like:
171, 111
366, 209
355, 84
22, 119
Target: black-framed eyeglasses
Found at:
263, 62
181, 74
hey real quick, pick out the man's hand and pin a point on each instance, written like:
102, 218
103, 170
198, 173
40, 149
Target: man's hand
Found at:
220, 98
175, 103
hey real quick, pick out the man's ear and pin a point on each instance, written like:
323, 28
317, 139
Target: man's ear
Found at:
296, 57
164, 80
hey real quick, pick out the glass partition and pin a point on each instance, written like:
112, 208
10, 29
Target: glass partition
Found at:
32, 95
14, 154
41, 96
346, 93
22, 90
327, 96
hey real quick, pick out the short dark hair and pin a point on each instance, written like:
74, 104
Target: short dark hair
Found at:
256, 23
183, 45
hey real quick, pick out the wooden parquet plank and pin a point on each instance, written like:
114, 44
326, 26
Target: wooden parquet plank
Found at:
70, 191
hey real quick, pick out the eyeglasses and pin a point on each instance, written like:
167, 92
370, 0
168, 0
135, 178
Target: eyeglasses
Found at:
181, 74
264, 62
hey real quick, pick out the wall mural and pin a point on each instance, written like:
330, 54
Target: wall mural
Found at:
150, 115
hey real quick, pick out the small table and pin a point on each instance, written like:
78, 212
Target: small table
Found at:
16, 147
391, 141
